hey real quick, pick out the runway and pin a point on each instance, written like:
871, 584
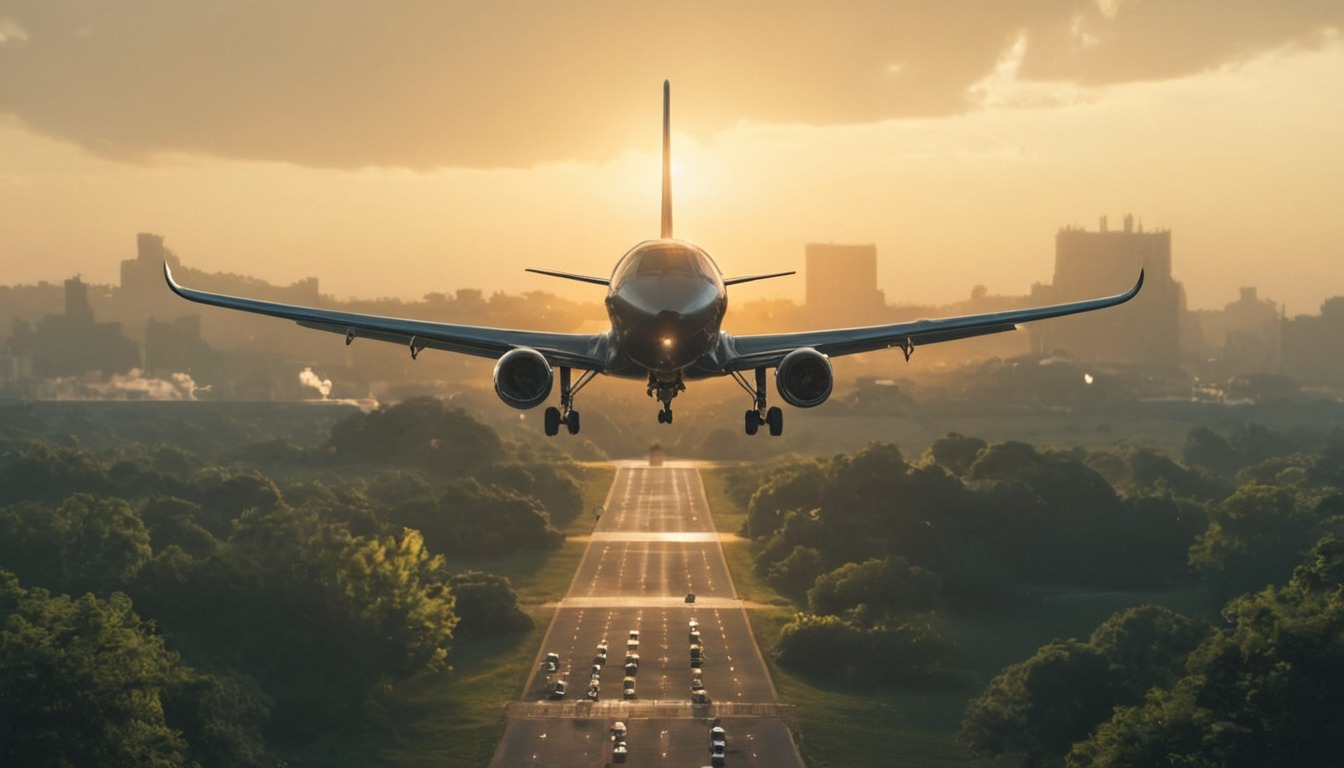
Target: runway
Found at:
654, 544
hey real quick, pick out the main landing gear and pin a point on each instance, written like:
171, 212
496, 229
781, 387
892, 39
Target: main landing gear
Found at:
565, 414
772, 418
665, 391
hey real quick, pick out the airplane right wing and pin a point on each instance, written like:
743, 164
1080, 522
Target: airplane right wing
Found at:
766, 350
572, 350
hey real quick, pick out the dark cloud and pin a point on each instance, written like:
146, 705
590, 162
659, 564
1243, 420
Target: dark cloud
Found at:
428, 83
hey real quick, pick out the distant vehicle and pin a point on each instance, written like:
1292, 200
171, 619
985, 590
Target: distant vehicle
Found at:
699, 696
718, 756
619, 750
695, 636
631, 657
593, 690
693, 625
631, 668
634, 635
557, 690
666, 300
552, 662
697, 656
618, 730
718, 737
690, 597
629, 693
628, 683
596, 672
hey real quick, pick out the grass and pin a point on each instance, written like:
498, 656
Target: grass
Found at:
455, 719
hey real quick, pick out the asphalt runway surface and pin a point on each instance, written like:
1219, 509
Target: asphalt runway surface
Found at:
654, 544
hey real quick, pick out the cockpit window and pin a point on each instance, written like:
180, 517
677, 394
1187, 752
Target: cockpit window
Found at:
663, 260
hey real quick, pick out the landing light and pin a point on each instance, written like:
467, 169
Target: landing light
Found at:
668, 341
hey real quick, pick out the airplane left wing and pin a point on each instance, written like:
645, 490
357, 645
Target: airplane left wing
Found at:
766, 350
572, 350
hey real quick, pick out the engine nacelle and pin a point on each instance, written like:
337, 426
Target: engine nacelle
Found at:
523, 378
804, 378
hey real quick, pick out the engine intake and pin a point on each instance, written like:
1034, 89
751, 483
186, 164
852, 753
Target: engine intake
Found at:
523, 378
804, 378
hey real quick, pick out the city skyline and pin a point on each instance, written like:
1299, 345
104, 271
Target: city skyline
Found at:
441, 148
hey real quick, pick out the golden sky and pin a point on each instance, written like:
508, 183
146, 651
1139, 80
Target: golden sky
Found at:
400, 149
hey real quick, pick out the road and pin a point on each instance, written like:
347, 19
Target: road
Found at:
654, 544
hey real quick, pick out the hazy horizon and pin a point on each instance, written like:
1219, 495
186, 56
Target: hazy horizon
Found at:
449, 146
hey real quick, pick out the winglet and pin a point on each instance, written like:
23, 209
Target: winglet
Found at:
172, 284
667, 163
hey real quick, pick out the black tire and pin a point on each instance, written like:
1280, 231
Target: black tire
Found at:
753, 422
551, 421
775, 418
572, 423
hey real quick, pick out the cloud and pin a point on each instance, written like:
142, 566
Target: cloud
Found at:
429, 83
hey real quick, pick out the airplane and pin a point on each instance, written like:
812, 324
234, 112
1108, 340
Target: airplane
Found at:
666, 300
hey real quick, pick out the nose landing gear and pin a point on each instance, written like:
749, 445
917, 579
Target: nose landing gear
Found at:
665, 391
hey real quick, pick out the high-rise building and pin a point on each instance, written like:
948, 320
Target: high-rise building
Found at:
842, 284
1146, 330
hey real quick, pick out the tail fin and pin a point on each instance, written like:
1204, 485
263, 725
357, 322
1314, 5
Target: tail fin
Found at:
667, 164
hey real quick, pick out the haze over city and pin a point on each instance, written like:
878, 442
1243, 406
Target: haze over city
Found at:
446, 146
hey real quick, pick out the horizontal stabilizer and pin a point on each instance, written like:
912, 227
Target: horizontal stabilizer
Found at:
571, 276
749, 278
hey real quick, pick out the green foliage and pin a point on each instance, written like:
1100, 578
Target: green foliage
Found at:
466, 517
887, 587
81, 682
797, 572
1037, 709
955, 453
86, 544
900, 653
1253, 538
1263, 691
1040, 707
421, 432
486, 605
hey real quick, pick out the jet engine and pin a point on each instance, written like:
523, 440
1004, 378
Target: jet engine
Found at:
804, 378
523, 378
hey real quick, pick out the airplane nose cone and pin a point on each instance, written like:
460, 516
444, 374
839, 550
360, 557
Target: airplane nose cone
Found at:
667, 322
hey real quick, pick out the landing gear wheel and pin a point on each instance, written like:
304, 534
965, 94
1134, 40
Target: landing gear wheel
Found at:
753, 422
552, 421
775, 419
665, 416
572, 422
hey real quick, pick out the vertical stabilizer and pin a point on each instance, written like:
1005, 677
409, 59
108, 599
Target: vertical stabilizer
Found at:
667, 164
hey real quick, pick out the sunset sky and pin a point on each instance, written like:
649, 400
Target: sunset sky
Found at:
396, 149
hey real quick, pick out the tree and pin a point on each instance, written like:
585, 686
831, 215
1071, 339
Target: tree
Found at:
486, 605
1262, 691
1037, 709
955, 453
1253, 538
795, 574
81, 682
888, 586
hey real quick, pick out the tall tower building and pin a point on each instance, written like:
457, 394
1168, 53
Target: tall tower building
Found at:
842, 283
1144, 331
